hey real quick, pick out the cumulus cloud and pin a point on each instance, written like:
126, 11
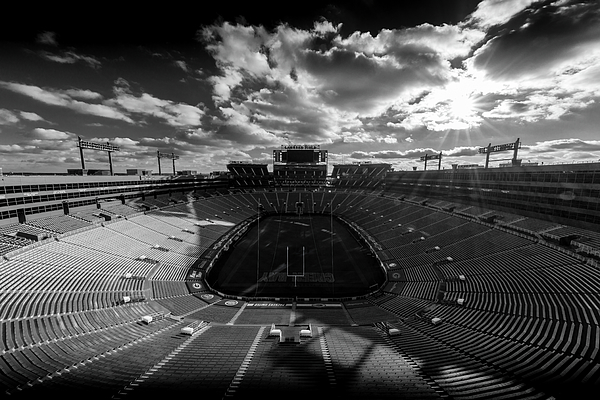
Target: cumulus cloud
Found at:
521, 61
571, 145
37, 144
549, 41
297, 113
415, 154
544, 62
369, 84
239, 46
359, 136
359, 73
387, 139
224, 84
392, 154
316, 85
123, 142
511, 66
325, 27
496, 12
239, 52
446, 42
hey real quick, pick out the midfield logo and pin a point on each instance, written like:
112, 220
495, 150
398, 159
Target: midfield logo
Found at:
308, 277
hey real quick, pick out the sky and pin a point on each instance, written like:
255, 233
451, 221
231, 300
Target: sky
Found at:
378, 81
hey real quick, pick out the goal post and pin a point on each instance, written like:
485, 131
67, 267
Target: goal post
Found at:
296, 270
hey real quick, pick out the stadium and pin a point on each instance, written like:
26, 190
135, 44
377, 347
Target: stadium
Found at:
470, 282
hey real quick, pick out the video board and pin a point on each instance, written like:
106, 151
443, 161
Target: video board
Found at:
300, 154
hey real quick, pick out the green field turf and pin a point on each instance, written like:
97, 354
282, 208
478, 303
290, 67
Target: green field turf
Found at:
260, 265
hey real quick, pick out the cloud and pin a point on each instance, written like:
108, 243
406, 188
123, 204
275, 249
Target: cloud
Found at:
123, 142
239, 46
224, 84
201, 151
11, 148
70, 57
63, 99
239, 52
48, 38
37, 93
544, 63
415, 154
51, 134
120, 107
8, 117
83, 94
357, 137
182, 65
513, 61
546, 43
40, 143
446, 42
238, 128
297, 114
497, 12
462, 152
392, 154
550, 151
316, 86
570, 145
358, 73
30, 116
537, 106
511, 68
369, 84
387, 139
319, 86
172, 113
325, 27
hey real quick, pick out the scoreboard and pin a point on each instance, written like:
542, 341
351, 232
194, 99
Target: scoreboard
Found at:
500, 147
300, 154
431, 157
300, 165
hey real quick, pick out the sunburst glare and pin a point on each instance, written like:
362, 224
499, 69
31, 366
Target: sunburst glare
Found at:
461, 107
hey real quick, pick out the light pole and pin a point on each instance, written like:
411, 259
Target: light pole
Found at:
171, 156
257, 248
109, 148
331, 236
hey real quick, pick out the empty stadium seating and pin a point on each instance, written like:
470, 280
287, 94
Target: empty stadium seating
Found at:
527, 325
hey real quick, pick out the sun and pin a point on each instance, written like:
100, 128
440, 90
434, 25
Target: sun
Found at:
461, 104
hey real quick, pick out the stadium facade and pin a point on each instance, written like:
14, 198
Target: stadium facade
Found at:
491, 284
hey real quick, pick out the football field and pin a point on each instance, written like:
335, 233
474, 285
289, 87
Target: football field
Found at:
297, 256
